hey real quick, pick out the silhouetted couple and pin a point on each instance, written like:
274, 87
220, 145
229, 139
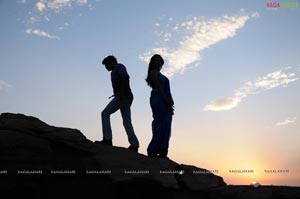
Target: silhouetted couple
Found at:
161, 103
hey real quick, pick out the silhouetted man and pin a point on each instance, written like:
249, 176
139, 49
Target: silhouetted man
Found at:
122, 101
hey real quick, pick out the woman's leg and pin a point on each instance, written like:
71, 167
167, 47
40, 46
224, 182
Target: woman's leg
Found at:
165, 135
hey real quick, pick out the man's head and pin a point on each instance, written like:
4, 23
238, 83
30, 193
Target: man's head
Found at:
109, 61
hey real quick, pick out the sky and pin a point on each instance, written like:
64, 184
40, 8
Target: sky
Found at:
234, 69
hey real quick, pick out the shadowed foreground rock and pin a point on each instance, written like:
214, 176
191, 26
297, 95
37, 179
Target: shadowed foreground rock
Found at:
41, 161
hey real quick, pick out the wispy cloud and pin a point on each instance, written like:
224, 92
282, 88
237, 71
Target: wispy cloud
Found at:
43, 10
200, 34
275, 79
287, 121
40, 33
4, 85
58, 5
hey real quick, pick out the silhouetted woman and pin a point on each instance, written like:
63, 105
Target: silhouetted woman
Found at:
161, 102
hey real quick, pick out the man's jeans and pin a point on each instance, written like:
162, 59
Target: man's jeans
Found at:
124, 107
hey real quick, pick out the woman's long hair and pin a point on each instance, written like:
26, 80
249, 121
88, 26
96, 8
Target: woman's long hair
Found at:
156, 62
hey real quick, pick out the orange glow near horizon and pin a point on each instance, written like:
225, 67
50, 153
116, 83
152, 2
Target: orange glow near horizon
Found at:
228, 168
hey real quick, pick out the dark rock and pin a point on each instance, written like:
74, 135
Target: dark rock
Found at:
250, 192
197, 179
44, 161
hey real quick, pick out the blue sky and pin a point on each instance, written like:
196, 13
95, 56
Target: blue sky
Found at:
234, 68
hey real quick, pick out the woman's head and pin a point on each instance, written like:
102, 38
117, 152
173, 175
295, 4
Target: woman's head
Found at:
156, 62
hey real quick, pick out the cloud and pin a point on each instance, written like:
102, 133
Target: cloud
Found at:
4, 85
40, 6
58, 4
43, 10
223, 104
40, 33
275, 79
199, 35
287, 121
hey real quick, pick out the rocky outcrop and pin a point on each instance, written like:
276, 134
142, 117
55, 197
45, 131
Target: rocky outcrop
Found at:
251, 192
42, 161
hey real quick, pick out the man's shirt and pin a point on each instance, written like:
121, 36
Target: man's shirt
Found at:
120, 82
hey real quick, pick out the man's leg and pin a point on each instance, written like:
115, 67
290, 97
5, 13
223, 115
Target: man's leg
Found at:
111, 107
126, 115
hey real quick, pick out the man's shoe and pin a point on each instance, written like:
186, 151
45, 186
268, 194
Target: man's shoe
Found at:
133, 148
104, 142
163, 157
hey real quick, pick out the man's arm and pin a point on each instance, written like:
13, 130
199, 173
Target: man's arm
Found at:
122, 81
